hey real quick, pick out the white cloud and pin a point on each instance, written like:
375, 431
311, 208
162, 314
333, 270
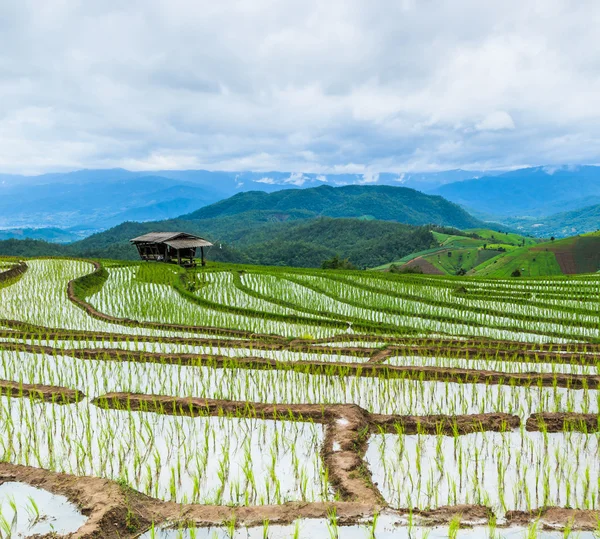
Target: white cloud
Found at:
296, 178
270, 181
496, 121
369, 177
309, 86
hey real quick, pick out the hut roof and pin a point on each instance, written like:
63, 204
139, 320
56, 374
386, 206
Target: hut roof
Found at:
188, 243
177, 240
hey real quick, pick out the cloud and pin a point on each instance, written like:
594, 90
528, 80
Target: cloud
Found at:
296, 178
322, 87
496, 121
269, 181
369, 177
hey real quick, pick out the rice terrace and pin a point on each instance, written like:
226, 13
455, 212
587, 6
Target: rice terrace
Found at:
150, 400
299, 269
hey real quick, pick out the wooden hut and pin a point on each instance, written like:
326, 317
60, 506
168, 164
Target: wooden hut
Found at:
175, 247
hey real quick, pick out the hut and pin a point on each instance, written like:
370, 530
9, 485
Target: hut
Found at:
175, 247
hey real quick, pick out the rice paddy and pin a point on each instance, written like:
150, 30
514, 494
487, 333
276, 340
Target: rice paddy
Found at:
264, 402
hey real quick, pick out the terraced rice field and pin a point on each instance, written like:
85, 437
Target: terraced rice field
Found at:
140, 400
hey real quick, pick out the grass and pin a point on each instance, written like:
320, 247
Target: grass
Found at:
468, 251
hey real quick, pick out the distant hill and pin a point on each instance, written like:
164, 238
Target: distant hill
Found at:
492, 253
94, 200
562, 224
532, 192
55, 235
460, 252
303, 243
382, 202
569, 256
370, 225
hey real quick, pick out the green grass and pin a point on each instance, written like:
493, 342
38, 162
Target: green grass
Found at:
540, 259
529, 263
503, 237
470, 250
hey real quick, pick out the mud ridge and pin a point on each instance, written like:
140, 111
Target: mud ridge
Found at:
116, 512
54, 394
347, 429
367, 369
487, 354
374, 355
94, 313
14, 272
563, 422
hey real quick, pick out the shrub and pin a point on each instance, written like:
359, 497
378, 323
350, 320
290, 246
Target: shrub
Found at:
405, 269
337, 263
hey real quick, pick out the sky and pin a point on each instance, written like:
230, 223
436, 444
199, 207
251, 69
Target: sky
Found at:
314, 86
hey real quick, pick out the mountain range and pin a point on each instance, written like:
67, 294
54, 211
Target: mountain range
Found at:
85, 201
529, 192
67, 207
370, 225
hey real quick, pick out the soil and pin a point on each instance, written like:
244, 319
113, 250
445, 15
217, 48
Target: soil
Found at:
476, 346
55, 394
447, 425
427, 267
368, 369
347, 429
560, 422
116, 512
14, 272
566, 261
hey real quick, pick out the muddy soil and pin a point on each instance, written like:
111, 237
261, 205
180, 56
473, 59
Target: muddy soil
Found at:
560, 422
55, 394
368, 369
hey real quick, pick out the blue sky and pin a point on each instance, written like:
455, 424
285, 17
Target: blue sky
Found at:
314, 86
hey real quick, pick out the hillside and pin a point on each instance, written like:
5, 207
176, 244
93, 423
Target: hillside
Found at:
563, 224
532, 192
97, 199
569, 256
366, 202
299, 243
460, 252
287, 227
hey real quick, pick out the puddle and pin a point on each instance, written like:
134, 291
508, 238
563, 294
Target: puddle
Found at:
37, 512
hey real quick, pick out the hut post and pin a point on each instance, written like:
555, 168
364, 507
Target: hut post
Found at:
202, 255
178, 257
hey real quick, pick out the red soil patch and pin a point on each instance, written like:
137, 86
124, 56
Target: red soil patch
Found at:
425, 266
566, 261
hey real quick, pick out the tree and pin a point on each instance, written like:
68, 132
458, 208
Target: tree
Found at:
337, 263
552, 238
516, 273
405, 269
